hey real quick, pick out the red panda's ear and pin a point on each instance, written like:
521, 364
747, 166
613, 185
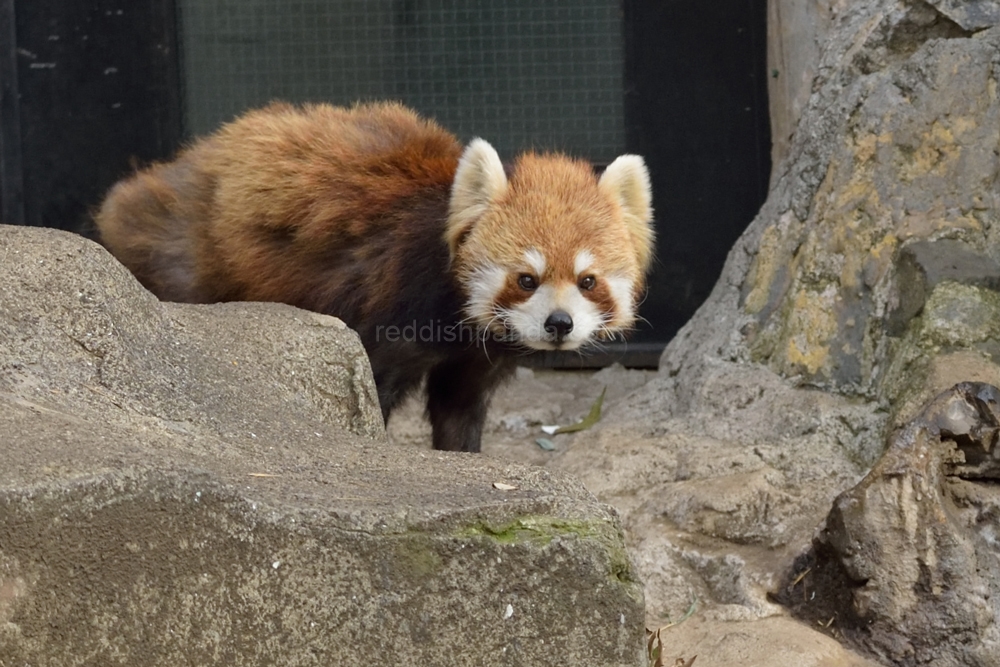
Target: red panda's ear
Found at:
626, 181
479, 180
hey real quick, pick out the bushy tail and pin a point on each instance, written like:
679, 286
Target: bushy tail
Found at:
151, 222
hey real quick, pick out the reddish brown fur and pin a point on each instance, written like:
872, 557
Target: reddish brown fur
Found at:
274, 224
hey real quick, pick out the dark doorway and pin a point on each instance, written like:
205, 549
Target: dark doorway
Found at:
97, 92
696, 108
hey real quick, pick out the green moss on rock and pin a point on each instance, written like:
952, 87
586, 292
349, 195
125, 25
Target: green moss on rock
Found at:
542, 530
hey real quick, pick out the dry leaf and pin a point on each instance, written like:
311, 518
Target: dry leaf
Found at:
592, 417
504, 487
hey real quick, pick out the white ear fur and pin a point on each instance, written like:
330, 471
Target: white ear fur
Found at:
626, 181
479, 180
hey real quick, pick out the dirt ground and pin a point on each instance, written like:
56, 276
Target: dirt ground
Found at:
531, 399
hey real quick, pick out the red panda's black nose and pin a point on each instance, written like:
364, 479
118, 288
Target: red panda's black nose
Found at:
558, 324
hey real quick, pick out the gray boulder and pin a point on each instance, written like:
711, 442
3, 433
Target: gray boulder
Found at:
866, 286
907, 561
212, 485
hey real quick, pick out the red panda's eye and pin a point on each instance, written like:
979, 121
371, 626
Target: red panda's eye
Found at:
587, 283
527, 282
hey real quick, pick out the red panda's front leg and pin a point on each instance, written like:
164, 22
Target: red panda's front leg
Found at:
458, 395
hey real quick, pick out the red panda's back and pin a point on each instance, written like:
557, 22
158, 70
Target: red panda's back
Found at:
272, 206
300, 188
319, 166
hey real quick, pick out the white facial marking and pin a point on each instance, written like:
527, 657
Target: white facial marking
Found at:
484, 284
584, 260
621, 291
528, 318
536, 261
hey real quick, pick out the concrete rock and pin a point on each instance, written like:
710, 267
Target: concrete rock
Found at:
918, 163
897, 146
954, 339
211, 485
704, 516
769, 642
907, 562
970, 14
733, 478
869, 271
77, 326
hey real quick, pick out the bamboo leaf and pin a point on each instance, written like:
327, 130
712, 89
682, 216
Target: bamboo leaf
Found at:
592, 418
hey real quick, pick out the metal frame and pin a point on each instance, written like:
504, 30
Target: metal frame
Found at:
11, 165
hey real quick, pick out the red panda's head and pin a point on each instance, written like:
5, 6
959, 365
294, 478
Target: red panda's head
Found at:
552, 257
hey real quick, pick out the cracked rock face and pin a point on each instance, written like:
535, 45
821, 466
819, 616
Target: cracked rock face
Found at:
211, 484
868, 284
916, 163
907, 563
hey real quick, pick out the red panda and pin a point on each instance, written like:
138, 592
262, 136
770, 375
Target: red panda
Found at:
446, 264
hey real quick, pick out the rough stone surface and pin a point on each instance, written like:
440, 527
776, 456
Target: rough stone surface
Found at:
897, 145
710, 523
71, 312
726, 490
211, 485
770, 642
917, 162
970, 14
865, 286
907, 562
